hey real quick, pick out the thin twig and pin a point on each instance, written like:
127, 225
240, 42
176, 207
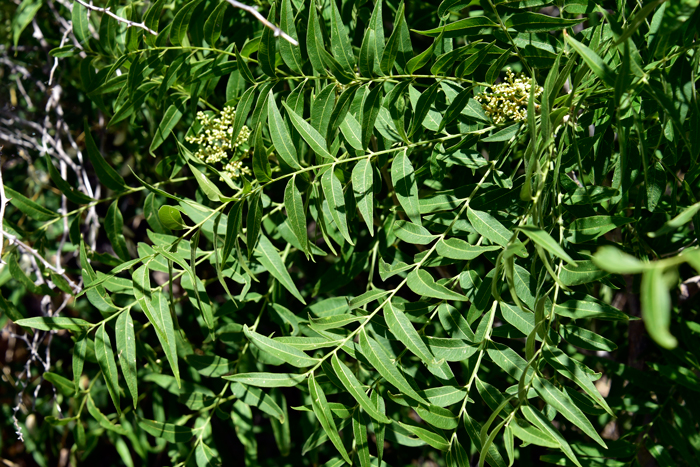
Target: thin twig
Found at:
3, 203
61, 272
261, 18
107, 12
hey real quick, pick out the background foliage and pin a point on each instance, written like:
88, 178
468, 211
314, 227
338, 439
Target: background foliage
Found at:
361, 264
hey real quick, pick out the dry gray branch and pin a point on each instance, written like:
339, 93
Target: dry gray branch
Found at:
108, 12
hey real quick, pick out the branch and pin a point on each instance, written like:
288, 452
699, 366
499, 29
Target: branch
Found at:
3, 203
60, 271
107, 12
261, 18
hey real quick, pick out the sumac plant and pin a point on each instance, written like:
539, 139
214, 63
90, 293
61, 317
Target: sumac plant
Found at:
366, 233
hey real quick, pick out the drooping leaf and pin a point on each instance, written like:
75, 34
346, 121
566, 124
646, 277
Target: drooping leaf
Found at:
267, 255
105, 359
126, 350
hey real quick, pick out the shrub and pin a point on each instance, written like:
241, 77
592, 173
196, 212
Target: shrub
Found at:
409, 233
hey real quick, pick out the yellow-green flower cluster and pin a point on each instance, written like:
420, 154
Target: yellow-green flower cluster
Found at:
508, 100
234, 169
216, 142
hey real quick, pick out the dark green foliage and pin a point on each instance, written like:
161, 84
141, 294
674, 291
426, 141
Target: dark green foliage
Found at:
394, 251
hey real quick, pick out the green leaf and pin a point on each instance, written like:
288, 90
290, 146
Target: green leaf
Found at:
456, 248
171, 218
586, 339
291, 54
211, 366
171, 117
233, 228
207, 186
532, 435
536, 22
267, 255
242, 111
422, 283
506, 134
381, 361
257, 398
594, 62
509, 360
280, 135
571, 369
582, 273
167, 431
324, 416
470, 65
165, 329
615, 261
282, 351
412, 233
79, 351
126, 349
656, 306
29, 207
488, 226
352, 131
71, 193
57, 323
340, 42
81, 25
23, 16
370, 111
205, 456
181, 22
253, 221
546, 241
321, 110
365, 298
114, 225
422, 59
451, 350
363, 189
679, 374
589, 228
333, 191
454, 323
422, 107
267, 48
367, 51
296, 217
392, 46
214, 24
359, 430
404, 180
536, 417
261, 164
332, 322
403, 329
463, 27
102, 418
566, 407
433, 439
267, 380
340, 111
314, 39
353, 386
589, 307
107, 175
312, 137
678, 221
105, 359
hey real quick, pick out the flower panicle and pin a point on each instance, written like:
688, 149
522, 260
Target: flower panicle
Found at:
507, 101
216, 142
